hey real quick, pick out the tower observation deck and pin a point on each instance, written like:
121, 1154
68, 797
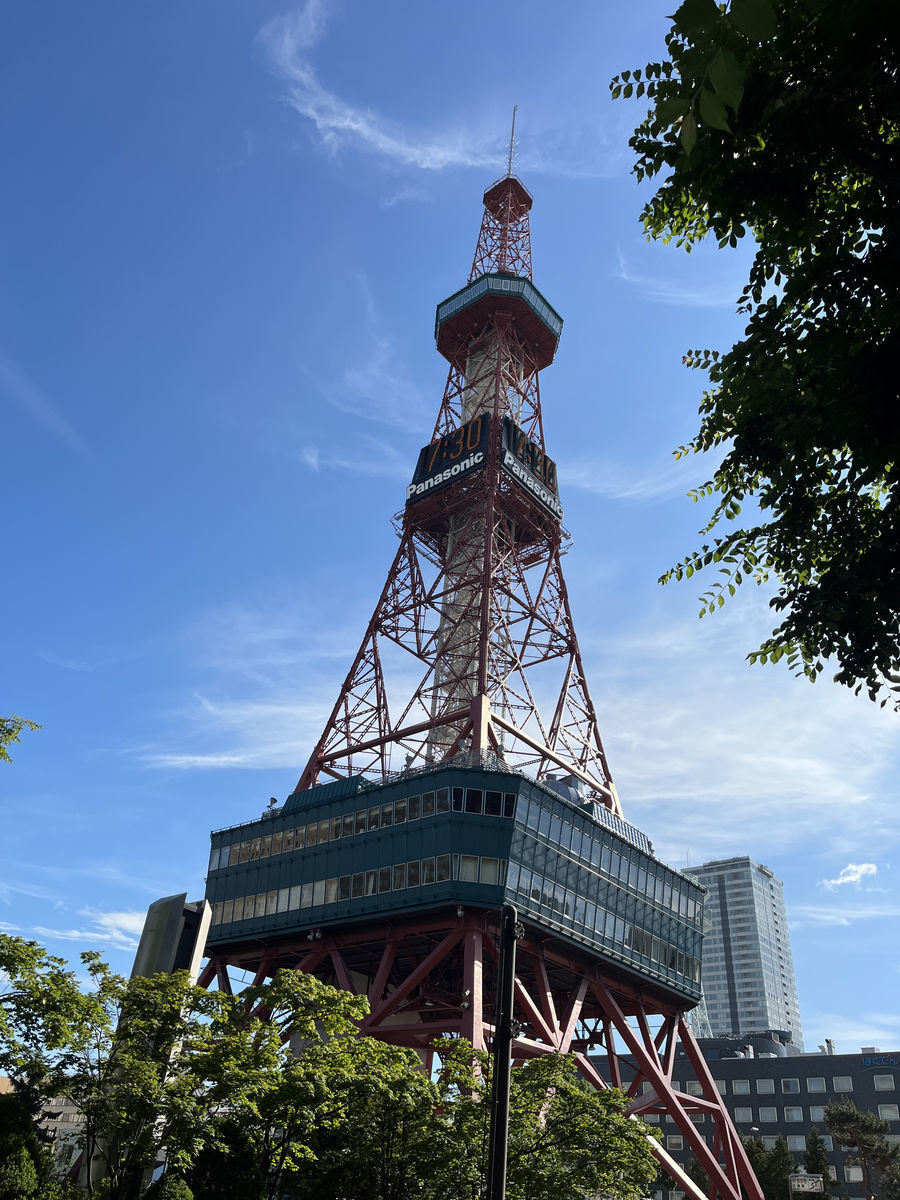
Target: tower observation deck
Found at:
424, 809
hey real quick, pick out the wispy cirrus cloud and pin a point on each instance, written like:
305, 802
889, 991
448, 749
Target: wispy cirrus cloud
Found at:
713, 293
21, 390
807, 916
853, 873
70, 664
577, 149
613, 481
118, 930
287, 41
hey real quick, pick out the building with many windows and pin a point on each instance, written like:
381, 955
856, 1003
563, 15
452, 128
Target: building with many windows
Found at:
771, 1090
748, 968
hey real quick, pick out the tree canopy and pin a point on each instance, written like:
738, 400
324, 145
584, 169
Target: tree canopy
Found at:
273, 1093
781, 119
10, 728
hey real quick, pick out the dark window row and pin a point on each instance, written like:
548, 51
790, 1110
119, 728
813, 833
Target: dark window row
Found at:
598, 922
572, 839
365, 820
420, 872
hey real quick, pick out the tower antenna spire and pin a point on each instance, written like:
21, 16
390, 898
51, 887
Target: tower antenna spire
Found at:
512, 143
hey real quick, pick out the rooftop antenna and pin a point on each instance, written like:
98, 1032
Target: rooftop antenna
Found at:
512, 143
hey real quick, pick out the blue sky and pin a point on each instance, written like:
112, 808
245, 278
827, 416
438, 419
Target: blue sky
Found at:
225, 227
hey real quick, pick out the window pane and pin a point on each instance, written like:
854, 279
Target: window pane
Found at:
458, 797
694, 1088
884, 1083
271, 903
796, 1141
412, 874
889, 1112
427, 870
816, 1113
468, 868
387, 815
344, 888
265, 848
357, 885
414, 808
740, 1087
428, 804
312, 832
245, 852
217, 910
853, 1174
474, 800
254, 849
765, 1086
769, 1143
493, 804
768, 1114
442, 868
336, 828
227, 912
790, 1086
384, 879
276, 843
843, 1083
743, 1116
348, 825
399, 812
323, 830
489, 870
371, 883
674, 1141
815, 1083
239, 909
374, 817
318, 892
399, 876
361, 821
793, 1113
294, 897
214, 860
442, 800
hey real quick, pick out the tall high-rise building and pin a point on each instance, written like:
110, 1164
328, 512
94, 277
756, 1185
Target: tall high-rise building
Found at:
748, 968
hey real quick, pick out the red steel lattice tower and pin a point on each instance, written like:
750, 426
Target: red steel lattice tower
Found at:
423, 809
476, 593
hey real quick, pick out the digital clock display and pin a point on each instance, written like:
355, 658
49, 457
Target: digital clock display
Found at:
451, 456
527, 463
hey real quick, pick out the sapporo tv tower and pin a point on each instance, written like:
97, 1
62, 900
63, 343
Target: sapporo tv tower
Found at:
418, 816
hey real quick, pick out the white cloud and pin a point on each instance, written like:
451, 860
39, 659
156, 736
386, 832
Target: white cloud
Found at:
118, 930
704, 294
614, 481
70, 664
585, 150
25, 394
809, 916
852, 873
849, 1033
286, 40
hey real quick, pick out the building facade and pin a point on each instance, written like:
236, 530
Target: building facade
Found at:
748, 969
779, 1093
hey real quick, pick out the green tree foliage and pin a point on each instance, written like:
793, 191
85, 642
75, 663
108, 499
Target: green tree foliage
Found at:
18, 1175
863, 1133
782, 118
816, 1158
10, 728
274, 1094
771, 1167
169, 1186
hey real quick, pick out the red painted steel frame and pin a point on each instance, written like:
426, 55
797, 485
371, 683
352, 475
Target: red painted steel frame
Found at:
435, 974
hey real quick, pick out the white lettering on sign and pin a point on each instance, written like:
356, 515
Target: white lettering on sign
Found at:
433, 481
532, 484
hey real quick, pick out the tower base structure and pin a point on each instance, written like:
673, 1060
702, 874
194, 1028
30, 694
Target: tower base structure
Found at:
414, 874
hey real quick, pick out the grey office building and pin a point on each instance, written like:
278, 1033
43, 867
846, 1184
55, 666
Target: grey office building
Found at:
748, 970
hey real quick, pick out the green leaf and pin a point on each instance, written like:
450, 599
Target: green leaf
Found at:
695, 14
689, 133
754, 18
712, 112
727, 77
